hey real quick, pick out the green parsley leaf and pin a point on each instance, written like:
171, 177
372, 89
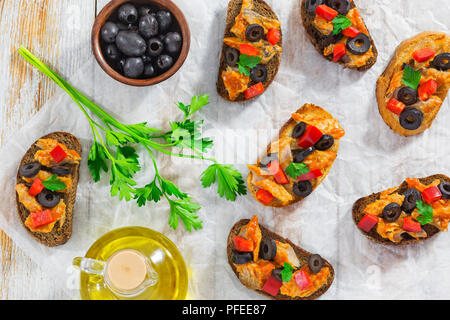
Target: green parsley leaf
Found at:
121, 185
186, 210
340, 23
150, 192
127, 161
286, 273
197, 103
246, 63
171, 189
229, 180
188, 134
54, 184
114, 138
142, 130
97, 161
411, 77
295, 170
426, 213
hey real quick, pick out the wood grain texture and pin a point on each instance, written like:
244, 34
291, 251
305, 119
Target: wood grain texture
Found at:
59, 32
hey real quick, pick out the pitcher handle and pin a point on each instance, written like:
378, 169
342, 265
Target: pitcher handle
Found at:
90, 266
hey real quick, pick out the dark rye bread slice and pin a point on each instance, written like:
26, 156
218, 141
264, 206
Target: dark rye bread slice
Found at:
360, 205
55, 237
302, 255
321, 41
234, 8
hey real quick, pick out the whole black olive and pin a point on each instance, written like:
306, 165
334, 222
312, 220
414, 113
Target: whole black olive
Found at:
359, 44
299, 130
268, 249
231, 56
407, 95
146, 59
48, 198
61, 170
277, 274
128, 13
258, 73
302, 154
109, 32
148, 26
341, 6
266, 160
131, 44
441, 62
29, 170
411, 118
325, 143
444, 187
149, 71
315, 263
391, 212
164, 20
411, 196
164, 62
112, 53
155, 47
311, 5
144, 10
133, 67
172, 42
254, 32
302, 189
241, 257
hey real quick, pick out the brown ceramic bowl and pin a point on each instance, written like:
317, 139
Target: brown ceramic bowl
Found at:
104, 15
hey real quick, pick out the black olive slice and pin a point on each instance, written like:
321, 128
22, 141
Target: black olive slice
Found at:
311, 5
391, 212
254, 32
407, 95
61, 170
48, 198
300, 156
267, 249
302, 189
325, 143
268, 159
259, 73
231, 56
241, 257
441, 62
341, 6
315, 263
299, 130
444, 187
277, 274
359, 44
411, 118
29, 170
411, 196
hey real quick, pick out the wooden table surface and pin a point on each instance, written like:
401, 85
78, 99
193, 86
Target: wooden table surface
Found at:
59, 32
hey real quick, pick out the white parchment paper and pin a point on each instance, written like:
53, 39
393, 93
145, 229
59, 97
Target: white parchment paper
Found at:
371, 158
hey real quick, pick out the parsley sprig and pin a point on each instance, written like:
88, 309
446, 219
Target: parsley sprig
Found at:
340, 22
54, 183
426, 213
247, 63
113, 151
411, 77
286, 273
295, 170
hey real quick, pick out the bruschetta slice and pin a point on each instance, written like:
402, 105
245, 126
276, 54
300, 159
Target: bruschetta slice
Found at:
339, 33
46, 187
295, 164
414, 211
414, 85
275, 267
251, 51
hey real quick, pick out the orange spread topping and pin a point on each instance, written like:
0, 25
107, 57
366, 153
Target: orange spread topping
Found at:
44, 175
234, 82
28, 201
58, 212
255, 274
327, 126
252, 232
47, 145
278, 191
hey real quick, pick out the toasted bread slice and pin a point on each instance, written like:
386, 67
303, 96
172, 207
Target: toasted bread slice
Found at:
57, 236
234, 8
438, 41
361, 204
321, 41
286, 130
302, 255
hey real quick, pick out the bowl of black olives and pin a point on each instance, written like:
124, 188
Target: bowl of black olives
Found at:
141, 42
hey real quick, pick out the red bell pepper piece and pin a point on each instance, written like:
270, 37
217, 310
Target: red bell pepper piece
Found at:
427, 89
272, 285
367, 222
431, 194
242, 245
273, 36
302, 280
58, 154
422, 55
310, 175
264, 196
254, 91
410, 225
310, 137
326, 12
277, 172
36, 187
339, 51
350, 32
39, 219
395, 106
248, 49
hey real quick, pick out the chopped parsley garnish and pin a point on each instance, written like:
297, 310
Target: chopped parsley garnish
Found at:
246, 63
340, 23
426, 213
295, 170
411, 77
54, 184
286, 273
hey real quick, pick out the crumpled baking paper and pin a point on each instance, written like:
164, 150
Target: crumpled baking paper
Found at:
371, 158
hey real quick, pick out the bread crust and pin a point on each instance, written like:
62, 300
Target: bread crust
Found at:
234, 7
404, 50
55, 237
314, 36
302, 255
286, 130
360, 205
